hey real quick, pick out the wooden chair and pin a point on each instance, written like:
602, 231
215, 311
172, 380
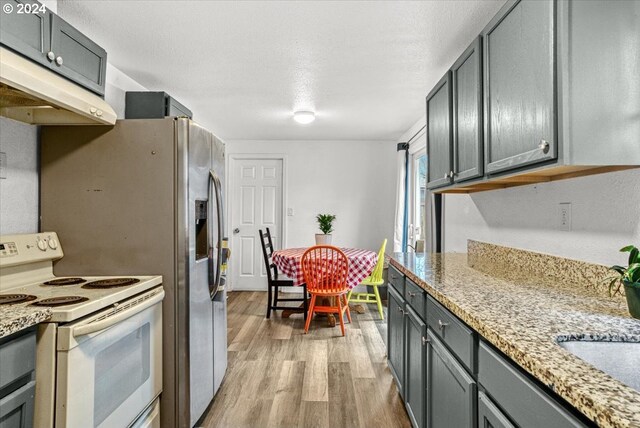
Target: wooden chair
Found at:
275, 281
373, 280
325, 271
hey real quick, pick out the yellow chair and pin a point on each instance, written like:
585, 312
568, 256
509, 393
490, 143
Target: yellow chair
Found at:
374, 280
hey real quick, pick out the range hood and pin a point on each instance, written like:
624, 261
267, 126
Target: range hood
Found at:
32, 94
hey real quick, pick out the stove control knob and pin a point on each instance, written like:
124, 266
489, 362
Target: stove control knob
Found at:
53, 244
42, 245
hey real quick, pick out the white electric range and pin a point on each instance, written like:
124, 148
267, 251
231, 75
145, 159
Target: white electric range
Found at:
99, 357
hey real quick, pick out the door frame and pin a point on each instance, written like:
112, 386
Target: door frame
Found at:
230, 164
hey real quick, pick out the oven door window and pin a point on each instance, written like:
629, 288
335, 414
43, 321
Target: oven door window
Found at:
120, 370
112, 375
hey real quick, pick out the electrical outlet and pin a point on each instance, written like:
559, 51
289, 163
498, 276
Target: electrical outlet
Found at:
565, 216
290, 212
3, 165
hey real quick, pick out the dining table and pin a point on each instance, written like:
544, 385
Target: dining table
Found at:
289, 262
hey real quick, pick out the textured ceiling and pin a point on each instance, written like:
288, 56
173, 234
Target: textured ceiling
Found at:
243, 67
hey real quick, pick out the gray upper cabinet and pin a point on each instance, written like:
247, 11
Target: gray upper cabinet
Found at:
395, 339
49, 40
466, 73
451, 391
415, 368
27, 33
77, 57
439, 134
519, 86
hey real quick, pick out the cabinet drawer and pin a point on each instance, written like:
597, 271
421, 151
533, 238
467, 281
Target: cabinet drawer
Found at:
457, 336
18, 357
396, 280
526, 403
16, 409
414, 296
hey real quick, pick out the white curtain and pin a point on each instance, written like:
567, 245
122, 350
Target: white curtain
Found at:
400, 200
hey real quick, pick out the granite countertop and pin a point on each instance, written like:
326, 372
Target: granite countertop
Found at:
524, 317
14, 318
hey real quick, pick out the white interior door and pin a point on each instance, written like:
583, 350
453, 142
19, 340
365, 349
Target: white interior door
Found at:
256, 203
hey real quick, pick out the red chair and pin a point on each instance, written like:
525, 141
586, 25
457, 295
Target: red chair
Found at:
325, 271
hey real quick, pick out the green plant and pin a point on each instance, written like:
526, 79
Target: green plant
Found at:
325, 223
629, 275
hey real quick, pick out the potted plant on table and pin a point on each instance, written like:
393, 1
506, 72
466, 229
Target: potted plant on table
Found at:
629, 278
325, 224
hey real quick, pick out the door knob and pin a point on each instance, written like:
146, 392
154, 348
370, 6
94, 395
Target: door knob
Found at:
51, 56
236, 231
59, 60
544, 146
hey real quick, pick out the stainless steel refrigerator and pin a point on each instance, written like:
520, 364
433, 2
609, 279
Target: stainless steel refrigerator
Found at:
145, 197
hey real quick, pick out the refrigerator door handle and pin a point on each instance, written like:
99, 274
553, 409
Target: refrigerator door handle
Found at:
215, 272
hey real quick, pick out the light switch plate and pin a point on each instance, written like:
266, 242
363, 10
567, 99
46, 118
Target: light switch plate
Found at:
3, 165
564, 213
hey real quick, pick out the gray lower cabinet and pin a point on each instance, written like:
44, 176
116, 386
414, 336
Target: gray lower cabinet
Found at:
47, 39
395, 340
17, 384
466, 81
16, 409
439, 134
519, 85
451, 391
27, 33
415, 368
526, 403
489, 416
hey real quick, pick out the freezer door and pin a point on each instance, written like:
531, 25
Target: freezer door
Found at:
200, 223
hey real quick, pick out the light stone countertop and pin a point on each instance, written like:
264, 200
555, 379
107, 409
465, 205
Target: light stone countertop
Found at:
14, 318
523, 314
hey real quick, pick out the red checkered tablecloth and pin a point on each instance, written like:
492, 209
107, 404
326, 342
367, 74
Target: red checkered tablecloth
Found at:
361, 264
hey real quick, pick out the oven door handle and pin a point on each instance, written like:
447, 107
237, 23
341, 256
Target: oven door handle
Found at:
119, 317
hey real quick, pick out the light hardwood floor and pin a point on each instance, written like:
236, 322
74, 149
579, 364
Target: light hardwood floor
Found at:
279, 377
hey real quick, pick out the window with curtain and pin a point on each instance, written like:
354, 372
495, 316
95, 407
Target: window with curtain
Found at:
418, 213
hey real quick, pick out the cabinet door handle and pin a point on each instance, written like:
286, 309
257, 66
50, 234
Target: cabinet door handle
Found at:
59, 60
51, 56
442, 324
544, 146
451, 174
425, 340
412, 295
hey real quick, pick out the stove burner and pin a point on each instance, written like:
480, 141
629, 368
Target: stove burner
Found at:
60, 301
109, 283
11, 299
65, 281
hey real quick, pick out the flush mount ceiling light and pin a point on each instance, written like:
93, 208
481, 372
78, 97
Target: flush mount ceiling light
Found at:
304, 117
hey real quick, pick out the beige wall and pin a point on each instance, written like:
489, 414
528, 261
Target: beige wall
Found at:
353, 179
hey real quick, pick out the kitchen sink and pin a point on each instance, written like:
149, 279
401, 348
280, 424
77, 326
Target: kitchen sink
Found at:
618, 359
